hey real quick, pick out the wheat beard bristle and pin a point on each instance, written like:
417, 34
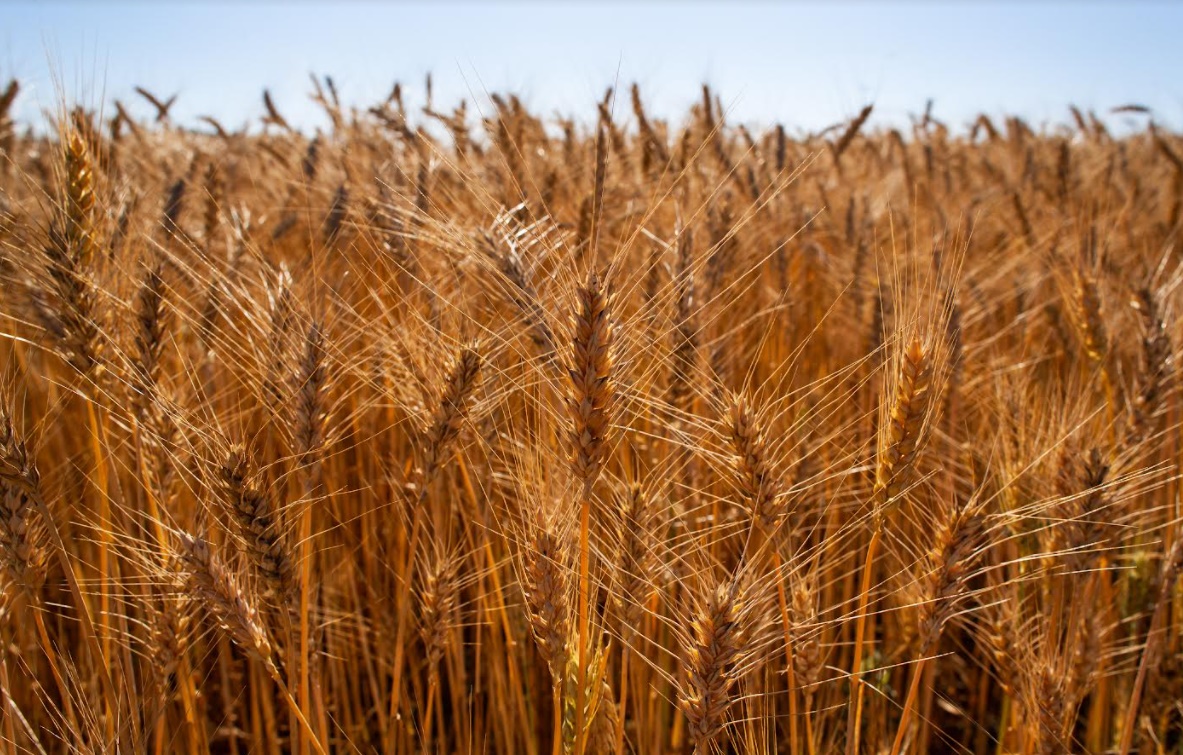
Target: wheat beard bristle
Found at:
684, 334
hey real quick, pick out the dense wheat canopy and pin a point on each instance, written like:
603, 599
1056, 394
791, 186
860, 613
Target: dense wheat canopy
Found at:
476, 430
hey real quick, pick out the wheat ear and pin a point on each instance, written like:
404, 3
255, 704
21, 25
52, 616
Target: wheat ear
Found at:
590, 404
906, 424
718, 639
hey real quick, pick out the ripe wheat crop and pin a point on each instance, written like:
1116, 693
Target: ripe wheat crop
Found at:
481, 432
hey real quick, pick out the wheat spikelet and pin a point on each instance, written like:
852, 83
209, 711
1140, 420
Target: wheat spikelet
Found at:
450, 410
655, 153
907, 422
22, 541
439, 604
79, 202
309, 386
280, 321
1045, 698
590, 402
759, 483
1089, 318
718, 639
634, 566
6, 126
522, 293
69, 253
948, 568
167, 639
212, 211
599, 708
950, 564
851, 131
1001, 636
1157, 365
592, 392
259, 526
546, 582
1084, 529
338, 212
601, 735
215, 588
805, 636
151, 323
174, 205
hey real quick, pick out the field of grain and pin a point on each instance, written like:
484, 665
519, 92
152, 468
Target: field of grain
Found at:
486, 432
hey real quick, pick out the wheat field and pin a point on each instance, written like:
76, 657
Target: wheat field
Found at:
482, 431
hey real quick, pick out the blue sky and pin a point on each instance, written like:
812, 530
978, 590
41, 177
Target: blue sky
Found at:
804, 64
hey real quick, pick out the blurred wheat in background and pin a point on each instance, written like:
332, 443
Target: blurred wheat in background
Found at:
457, 432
